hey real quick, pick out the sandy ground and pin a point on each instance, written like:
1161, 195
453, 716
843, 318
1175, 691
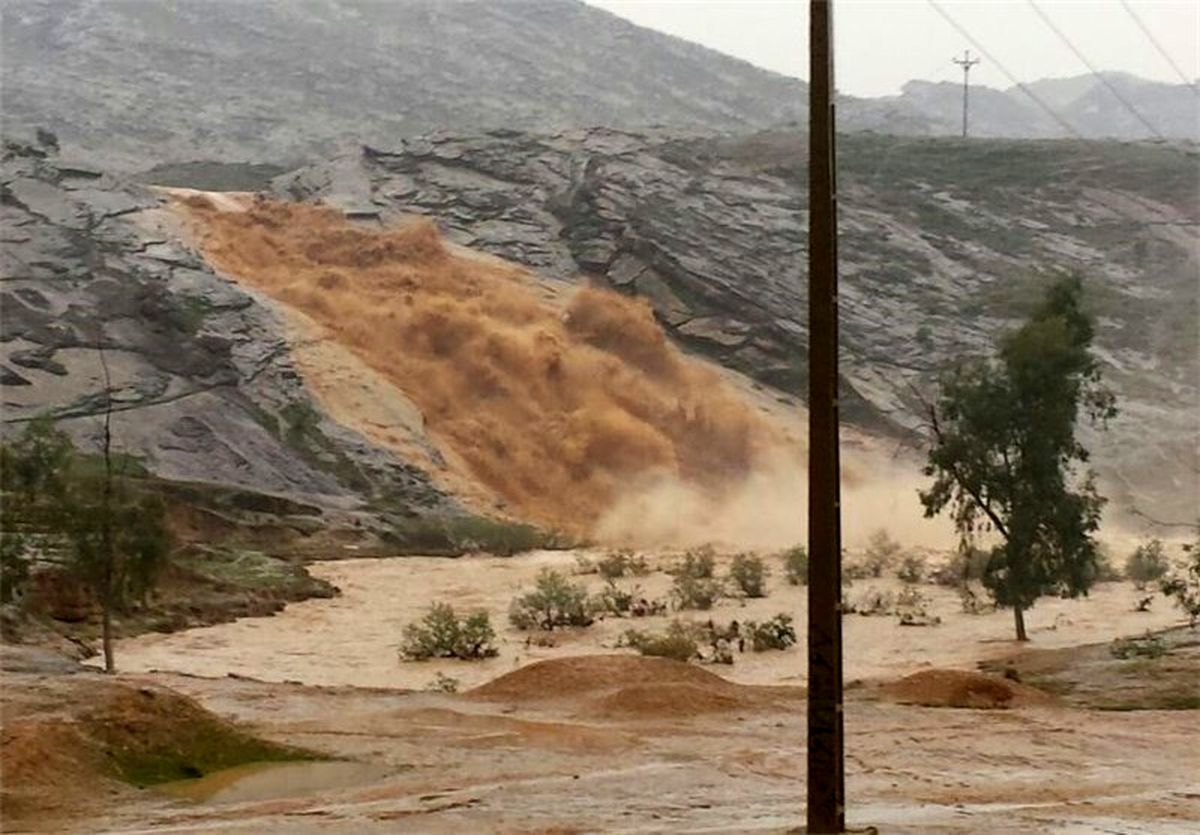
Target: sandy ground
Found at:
352, 640
537, 765
607, 749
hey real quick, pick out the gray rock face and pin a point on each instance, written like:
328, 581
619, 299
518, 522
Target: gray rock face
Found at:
944, 245
203, 385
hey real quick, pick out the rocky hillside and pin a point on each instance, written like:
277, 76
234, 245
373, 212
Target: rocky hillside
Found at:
277, 80
205, 386
280, 82
944, 245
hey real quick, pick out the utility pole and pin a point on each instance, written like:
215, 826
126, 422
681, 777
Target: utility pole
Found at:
966, 62
826, 799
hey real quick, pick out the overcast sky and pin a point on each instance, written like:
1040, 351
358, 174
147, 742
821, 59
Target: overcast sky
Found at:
880, 44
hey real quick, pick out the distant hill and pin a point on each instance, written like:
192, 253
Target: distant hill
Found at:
1084, 102
132, 83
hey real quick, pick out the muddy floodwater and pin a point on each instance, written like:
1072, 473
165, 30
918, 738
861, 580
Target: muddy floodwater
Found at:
271, 780
353, 639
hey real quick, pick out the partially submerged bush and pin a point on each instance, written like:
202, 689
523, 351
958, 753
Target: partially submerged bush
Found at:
965, 566
1183, 583
688, 592
776, 633
795, 565
1106, 572
912, 608
1148, 646
677, 642
442, 634
614, 600
974, 603
912, 568
697, 564
1147, 563
554, 602
621, 563
443, 683
749, 574
882, 551
874, 601
457, 535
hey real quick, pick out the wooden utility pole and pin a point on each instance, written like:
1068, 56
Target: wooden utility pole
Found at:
966, 62
826, 766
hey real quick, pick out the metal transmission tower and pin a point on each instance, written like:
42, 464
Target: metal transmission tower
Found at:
826, 800
966, 62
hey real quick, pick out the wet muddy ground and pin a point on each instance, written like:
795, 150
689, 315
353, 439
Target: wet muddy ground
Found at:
590, 745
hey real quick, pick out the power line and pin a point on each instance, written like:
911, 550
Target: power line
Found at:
1063, 123
1112, 88
1158, 46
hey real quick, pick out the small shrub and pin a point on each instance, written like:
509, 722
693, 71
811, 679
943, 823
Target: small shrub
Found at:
875, 602
882, 551
1106, 572
613, 600
583, 565
912, 608
972, 602
442, 634
554, 602
749, 574
1143, 603
962, 568
912, 568
643, 608
677, 642
1148, 646
776, 633
14, 564
1147, 563
697, 564
621, 563
443, 684
688, 592
1183, 584
795, 565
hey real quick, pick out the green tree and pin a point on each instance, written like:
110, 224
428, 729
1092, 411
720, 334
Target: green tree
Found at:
1004, 454
114, 536
33, 473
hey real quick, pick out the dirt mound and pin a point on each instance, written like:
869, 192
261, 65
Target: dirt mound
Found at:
629, 687
960, 688
553, 410
73, 742
595, 675
669, 700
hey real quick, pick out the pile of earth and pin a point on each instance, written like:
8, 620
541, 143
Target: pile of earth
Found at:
962, 688
81, 740
629, 687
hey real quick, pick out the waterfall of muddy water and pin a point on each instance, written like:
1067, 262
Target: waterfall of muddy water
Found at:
577, 414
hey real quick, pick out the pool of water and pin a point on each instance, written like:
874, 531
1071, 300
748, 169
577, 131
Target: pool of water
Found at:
272, 780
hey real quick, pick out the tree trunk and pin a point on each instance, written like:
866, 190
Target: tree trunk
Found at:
106, 638
1019, 619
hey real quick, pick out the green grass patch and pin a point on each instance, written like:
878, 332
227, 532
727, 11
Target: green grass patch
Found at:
457, 535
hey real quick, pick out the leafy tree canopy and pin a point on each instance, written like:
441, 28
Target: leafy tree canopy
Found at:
1004, 454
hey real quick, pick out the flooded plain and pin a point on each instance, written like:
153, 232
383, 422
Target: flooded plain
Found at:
352, 640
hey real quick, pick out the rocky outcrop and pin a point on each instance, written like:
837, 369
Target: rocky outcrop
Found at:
943, 247
94, 273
